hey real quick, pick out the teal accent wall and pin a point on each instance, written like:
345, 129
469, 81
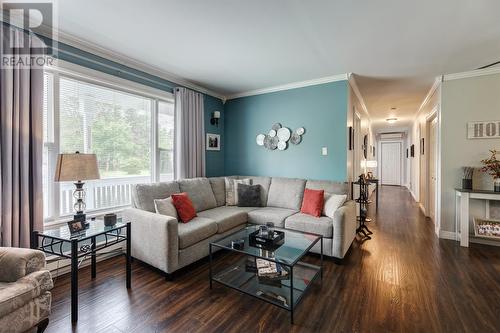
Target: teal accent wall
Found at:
214, 160
320, 109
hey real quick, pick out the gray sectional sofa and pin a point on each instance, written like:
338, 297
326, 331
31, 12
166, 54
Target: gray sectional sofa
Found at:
162, 242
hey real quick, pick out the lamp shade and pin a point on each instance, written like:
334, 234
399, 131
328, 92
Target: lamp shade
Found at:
72, 167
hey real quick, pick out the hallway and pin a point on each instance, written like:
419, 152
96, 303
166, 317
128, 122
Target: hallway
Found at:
403, 280
417, 282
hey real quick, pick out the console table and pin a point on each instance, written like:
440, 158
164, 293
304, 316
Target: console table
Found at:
61, 242
462, 203
372, 181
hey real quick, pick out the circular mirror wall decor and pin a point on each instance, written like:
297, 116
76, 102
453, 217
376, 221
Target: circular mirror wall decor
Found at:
295, 139
260, 139
282, 145
279, 136
284, 134
267, 142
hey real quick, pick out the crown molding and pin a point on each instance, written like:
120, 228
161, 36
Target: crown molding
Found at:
432, 90
288, 86
354, 86
122, 59
474, 73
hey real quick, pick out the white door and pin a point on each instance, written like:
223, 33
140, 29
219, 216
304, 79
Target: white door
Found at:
391, 163
432, 169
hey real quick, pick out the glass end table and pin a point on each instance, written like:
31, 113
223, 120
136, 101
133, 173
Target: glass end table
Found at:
59, 241
286, 290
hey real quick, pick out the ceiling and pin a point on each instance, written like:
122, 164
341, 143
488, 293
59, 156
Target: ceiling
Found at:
396, 47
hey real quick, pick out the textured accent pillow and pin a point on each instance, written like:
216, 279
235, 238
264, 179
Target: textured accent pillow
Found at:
248, 195
184, 206
165, 207
231, 194
313, 202
332, 203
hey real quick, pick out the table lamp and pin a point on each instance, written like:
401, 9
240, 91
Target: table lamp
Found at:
368, 163
77, 167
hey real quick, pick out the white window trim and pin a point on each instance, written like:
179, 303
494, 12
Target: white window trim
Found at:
84, 74
95, 77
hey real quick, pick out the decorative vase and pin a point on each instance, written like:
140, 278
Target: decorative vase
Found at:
467, 184
497, 184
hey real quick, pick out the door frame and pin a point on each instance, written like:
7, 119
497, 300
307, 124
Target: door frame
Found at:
434, 115
356, 165
401, 145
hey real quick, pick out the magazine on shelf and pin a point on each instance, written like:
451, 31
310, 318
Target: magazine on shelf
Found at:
269, 269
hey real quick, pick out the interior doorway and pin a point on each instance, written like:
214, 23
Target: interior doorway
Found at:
432, 169
391, 162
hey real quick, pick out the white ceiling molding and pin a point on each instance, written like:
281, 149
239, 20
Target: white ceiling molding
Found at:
289, 86
130, 62
434, 87
354, 86
474, 73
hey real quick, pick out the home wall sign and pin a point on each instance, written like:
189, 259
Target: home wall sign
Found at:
483, 129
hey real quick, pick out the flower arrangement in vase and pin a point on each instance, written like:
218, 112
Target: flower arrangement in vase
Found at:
492, 167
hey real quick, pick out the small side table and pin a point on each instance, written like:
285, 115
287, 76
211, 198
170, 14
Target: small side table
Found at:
62, 243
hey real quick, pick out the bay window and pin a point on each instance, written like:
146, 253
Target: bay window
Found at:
128, 126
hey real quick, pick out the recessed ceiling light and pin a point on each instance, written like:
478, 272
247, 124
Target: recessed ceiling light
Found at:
391, 120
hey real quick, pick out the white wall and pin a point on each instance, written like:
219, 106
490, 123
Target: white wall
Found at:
464, 100
418, 164
355, 105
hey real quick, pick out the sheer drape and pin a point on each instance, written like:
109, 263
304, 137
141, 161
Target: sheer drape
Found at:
21, 145
189, 134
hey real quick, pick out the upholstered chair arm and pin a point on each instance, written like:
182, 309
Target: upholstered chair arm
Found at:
16, 263
344, 228
155, 238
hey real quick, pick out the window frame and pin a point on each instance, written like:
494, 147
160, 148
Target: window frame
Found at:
72, 71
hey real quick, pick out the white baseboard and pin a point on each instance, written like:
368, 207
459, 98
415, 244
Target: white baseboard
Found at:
447, 234
452, 235
484, 241
61, 267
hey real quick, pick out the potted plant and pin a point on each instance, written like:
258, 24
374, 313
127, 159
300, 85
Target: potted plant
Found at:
492, 167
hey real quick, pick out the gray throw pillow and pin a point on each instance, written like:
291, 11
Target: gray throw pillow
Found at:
248, 195
231, 191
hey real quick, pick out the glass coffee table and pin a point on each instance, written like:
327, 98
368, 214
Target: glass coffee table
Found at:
287, 286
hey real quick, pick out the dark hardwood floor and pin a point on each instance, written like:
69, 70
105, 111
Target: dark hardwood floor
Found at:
403, 280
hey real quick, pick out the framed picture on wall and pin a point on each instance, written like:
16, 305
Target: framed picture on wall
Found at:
351, 138
213, 142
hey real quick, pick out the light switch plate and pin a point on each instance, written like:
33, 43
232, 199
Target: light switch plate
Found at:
324, 151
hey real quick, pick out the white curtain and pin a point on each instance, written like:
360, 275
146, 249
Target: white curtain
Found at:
189, 134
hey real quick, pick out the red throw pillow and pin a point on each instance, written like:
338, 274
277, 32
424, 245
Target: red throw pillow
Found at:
184, 206
313, 202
